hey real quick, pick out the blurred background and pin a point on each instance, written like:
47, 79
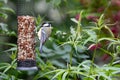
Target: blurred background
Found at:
63, 14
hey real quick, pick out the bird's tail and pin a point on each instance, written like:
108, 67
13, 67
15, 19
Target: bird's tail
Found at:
40, 48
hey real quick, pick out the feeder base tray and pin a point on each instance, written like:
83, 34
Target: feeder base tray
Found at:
26, 65
27, 68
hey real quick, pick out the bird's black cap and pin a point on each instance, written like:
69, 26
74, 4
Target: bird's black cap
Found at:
46, 24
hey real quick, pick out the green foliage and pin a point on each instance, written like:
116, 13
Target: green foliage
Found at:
4, 9
68, 54
3, 15
4, 30
85, 69
56, 3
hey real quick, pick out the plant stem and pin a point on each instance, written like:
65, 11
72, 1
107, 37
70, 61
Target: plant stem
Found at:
71, 57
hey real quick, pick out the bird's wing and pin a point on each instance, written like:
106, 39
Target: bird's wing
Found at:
42, 39
43, 36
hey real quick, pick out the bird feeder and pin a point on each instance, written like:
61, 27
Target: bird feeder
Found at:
26, 36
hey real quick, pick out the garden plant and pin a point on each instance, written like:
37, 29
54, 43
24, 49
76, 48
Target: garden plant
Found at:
84, 43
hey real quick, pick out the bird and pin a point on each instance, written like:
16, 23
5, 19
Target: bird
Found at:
44, 33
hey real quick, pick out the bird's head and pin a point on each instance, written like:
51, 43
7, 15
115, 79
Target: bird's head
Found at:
46, 24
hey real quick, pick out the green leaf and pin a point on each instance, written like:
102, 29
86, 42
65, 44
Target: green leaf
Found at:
86, 62
116, 62
50, 72
92, 36
116, 72
74, 20
7, 9
104, 38
4, 27
4, 65
5, 1
3, 76
101, 21
56, 3
3, 15
59, 73
13, 62
48, 0
9, 44
110, 32
12, 33
106, 51
78, 72
38, 20
118, 48
8, 67
111, 68
88, 78
11, 49
64, 75
104, 75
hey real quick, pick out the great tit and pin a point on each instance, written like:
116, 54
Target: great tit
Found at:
44, 33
